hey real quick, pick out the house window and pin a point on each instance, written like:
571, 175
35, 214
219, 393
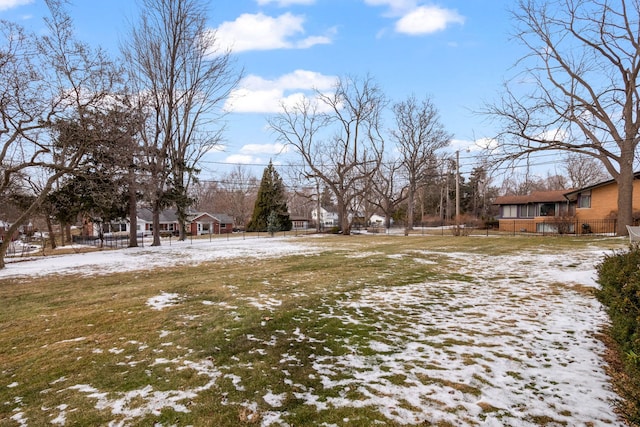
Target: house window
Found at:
222, 225
584, 199
527, 211
510, 211
548, 209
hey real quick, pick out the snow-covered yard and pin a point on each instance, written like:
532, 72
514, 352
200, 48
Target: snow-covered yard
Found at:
506, 340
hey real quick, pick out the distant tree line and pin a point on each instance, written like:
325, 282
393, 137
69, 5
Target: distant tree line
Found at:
87, 135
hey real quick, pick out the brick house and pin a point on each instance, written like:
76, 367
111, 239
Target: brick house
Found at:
538, 212
600, 201
589, 209
205, 223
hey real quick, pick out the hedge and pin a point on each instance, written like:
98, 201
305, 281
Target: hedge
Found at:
619, 292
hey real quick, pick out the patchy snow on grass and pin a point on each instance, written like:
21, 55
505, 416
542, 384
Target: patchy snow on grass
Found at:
149, 257
506, 340
164, 300
146, 400
274, 400
513, 343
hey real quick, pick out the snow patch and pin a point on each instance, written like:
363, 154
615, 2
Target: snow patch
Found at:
165, 299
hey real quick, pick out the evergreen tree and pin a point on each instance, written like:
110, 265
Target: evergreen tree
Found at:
271, 198
273, 223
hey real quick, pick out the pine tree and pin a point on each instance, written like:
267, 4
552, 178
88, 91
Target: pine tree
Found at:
271, 198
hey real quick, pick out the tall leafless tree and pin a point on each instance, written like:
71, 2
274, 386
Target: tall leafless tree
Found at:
338, 136
583, 171
419, 134
234, 194
389, 188
181, 77
578, 90
45, 78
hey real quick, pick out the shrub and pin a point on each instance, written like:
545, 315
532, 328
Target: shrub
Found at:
619, 278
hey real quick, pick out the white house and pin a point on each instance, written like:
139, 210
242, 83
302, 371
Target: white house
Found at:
377, 220
326, 218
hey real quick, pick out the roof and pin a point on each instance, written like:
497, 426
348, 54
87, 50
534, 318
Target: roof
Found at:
570, 193
166, 216
535, 197
223, 218
170, 216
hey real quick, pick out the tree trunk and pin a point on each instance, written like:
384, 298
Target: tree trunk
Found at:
67, 234
52, 235
182, 221
625, 198
410, 198
133, 212
156, 225
343, 218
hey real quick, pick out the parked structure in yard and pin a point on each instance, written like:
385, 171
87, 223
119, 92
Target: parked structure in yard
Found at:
591, 209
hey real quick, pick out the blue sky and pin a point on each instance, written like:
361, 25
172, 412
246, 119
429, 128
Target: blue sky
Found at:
458, 52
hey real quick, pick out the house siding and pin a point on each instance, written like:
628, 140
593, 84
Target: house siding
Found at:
604, 202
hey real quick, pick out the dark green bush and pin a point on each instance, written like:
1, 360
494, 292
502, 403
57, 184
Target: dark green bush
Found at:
619, 278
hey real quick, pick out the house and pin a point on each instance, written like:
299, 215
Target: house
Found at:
591, 209
24, 229
198, 223
299, 223
377, 220
326, 218
168, 221
205, 223
538, 212
599, 202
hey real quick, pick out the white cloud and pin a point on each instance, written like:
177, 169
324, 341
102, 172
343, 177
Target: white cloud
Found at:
285, 3
480, 144
427, 20
263, 32
418, 20
554, 135
9, 4
256, 94
248, 159
243, 159
275, 148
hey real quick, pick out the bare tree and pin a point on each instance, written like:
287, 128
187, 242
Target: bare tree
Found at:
241, 190
579, 88
583, 171
338, 137
233, 194
419, 133
182, 78
388, 188
44, 79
